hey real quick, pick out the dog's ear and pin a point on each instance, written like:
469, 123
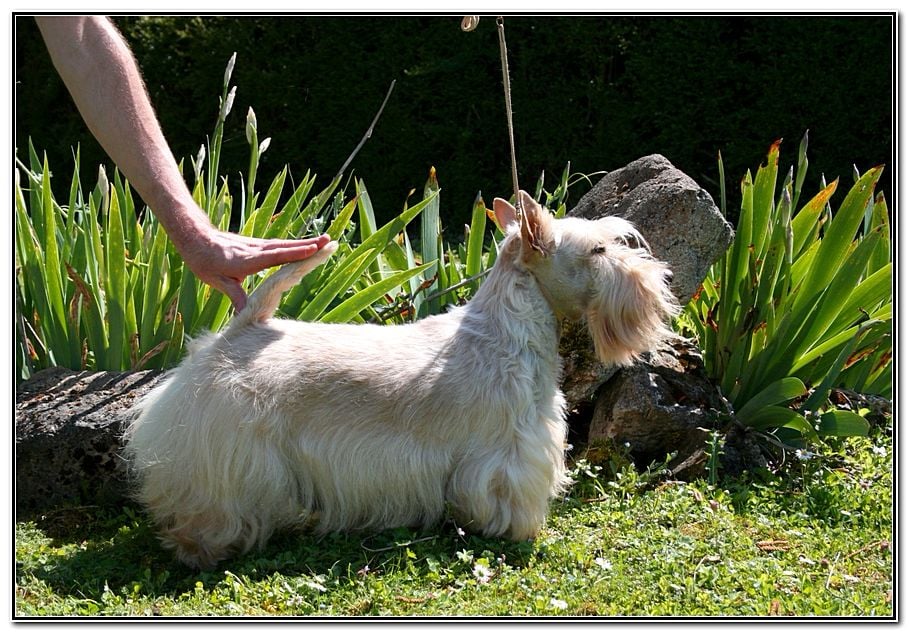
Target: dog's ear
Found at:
628, 316
536, 228
504, 212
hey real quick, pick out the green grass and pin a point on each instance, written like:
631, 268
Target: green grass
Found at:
812, 540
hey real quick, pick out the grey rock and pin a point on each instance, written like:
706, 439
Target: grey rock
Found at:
68, 437
674, 214
683, 228
663, 404
582, 371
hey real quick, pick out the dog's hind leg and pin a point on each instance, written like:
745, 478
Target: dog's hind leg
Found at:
203, 534
203, 540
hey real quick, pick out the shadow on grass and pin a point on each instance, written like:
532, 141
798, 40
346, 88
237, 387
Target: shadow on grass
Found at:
122, 554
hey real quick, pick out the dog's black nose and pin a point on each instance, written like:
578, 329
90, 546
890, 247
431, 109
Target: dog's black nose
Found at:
668, 275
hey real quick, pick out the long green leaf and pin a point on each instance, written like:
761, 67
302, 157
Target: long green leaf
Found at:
341, 222
279, 228
29, 277
396, 256
174, 350
802, 169
452, 278
776, 392
52, 270
821, 392
94, 325
843, 283
132, 239
883, 314
131, 229
221, 208
742, 333
799, 271
839, 235
430, 232
270, 204
736, 286
872, 358
214, 311
475, 238
74, 198
842, 424
366, 213
301, 224
368, 226
773, 260
36, 175
347, 310
188, 299
802, 426
51, 248
866, 298
257, 220
764, 190
773, 416
443, 272
154, 289
880, 218
96, 278
722, 170
339, 283
806, 223
414, 282
882, 382
115, 295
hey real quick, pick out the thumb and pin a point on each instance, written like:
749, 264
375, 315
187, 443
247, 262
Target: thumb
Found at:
233, 289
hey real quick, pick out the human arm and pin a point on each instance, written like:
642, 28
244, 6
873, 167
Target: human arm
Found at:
101, 74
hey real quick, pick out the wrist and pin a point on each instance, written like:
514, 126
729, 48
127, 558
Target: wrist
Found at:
187, 226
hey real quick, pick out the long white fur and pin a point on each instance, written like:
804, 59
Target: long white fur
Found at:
275, 423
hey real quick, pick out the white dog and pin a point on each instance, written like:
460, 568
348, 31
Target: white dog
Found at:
275, 423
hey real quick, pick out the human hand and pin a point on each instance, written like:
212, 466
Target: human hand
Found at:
223, 260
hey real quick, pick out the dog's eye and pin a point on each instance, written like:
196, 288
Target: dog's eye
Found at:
597, 250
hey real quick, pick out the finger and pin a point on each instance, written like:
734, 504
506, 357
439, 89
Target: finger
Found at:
304, 245
278, 255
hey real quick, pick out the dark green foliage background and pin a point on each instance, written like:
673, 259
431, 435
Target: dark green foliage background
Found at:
599, 91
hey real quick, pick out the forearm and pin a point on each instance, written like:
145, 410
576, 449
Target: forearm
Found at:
99, 70
101, 75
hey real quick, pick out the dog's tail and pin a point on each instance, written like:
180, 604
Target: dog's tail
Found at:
264, 300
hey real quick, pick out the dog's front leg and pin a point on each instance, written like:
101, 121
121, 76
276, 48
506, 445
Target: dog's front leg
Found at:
505, 491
